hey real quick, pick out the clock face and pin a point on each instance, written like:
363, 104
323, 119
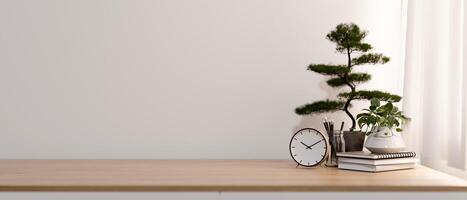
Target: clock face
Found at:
308, 147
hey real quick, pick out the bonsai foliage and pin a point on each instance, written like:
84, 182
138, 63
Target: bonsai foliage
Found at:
349, 40
378, 115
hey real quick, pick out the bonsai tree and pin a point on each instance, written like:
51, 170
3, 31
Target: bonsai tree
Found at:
378, 116
349, 40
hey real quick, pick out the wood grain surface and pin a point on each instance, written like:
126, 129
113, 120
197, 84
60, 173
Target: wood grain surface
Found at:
210, 175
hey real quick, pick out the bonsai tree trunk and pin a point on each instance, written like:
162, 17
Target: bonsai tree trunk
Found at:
352, 88
346, 110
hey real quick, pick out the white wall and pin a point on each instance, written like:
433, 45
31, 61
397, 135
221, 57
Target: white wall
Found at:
172, 78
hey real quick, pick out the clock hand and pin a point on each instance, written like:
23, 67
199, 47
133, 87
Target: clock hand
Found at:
315, 143
307, 147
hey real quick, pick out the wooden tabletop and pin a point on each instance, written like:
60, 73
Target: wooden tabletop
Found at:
210, 175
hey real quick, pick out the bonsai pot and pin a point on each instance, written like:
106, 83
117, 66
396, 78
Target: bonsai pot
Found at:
385, 140
354, 140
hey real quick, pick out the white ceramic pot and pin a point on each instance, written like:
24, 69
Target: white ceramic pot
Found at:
385, 140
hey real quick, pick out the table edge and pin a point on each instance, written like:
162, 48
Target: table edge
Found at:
213, 188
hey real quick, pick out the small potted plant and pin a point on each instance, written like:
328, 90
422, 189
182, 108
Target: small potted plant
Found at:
382, 125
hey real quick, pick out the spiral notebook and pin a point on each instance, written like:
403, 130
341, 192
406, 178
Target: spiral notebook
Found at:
372, 156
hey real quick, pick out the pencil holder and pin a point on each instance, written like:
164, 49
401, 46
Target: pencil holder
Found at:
337, 143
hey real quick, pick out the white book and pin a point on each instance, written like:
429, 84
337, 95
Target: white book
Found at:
378, 162
375, 168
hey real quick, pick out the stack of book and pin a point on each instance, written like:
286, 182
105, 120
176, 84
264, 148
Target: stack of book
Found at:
368, 162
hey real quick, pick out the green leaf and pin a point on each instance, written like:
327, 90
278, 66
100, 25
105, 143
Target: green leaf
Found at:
405, 117
363, 94
348, 37
354, 78
361, 122
372, 120
362, 47
396, 122
320, 106
399, 130
329, 69
383, 111
375, 102
361, 115
388, 107
370, 58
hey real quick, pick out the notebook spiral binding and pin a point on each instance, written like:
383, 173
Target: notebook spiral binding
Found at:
396, 155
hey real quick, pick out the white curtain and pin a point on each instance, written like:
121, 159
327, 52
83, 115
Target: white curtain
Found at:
435, 83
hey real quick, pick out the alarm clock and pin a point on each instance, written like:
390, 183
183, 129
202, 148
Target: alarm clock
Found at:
308, 147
